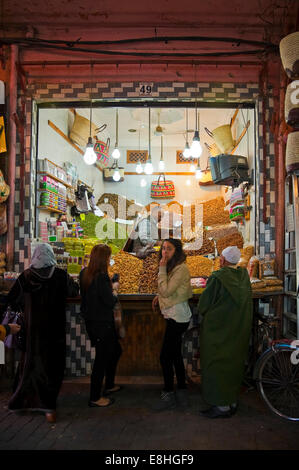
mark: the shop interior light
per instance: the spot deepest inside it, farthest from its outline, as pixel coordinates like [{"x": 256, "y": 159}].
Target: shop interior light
[
  {"x": 187, "y": 151},
  {"x": 161, "y": 162},
  {"x": 188, "y": 182},
  {"x": 148, "y": 169},
  {"x": 116, "y": 174},
  {"x": 116, "y": 152},
  {"x": 196, "y": 148},
  {"x": 192, "y": 168},
  {"x": 198, "y": 172},
  {"x": 143, "y": 183},
  {"x": 90, "y": 157},
  {"x": 139, "y": 168}
]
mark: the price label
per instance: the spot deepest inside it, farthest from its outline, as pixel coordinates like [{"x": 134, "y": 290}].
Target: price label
[{"x": 145, "y": 89}]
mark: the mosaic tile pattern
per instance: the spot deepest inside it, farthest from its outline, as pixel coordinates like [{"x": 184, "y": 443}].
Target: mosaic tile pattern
[{"x": 78, "y": 364}]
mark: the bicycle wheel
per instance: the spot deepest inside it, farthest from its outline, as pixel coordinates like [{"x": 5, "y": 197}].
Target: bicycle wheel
[
  {"x": 190, "y": 353},
  {"x": 278, "y": 382}
]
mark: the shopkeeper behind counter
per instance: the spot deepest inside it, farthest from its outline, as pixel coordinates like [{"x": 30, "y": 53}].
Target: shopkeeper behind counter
[{"x": 145, "y": 235}]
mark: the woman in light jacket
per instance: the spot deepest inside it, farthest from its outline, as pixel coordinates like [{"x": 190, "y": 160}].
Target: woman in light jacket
[{"x": 174, "y": 290}]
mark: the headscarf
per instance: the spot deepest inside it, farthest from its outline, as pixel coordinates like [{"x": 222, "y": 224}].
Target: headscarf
[
  {"x": 43, "y": 256},
  {"x": 232, "y": 254}
]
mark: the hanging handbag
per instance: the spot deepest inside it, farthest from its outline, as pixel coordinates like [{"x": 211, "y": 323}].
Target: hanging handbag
[
  {"x": 162, "y": 189},
  {"x": 18, "y": 340}
]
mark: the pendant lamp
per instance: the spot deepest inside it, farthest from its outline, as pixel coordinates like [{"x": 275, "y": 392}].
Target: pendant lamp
[
  {"x": 116, "y": 152},
  {"x": 196, "y": 148},
  {"x": 148, "y": 169},
  {"x": 187, "y": 151},
  {"x": 90, "y": 156},
  {"x": 161, "y": 162},
  {"x": 139, "y": 168}
]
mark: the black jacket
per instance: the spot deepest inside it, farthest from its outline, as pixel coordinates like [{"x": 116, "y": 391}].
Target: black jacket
[{"x": 97, "y": 305}]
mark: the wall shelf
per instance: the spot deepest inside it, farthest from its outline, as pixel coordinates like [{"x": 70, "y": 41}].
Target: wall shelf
[
  {"x": 55, "y": 178},
  {"x": 50, "y": 209}
]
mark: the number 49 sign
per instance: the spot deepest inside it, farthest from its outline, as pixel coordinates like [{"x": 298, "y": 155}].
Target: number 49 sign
[{"x": 145, "y": 89}]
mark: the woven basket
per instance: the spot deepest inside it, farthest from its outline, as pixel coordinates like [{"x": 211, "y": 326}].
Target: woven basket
[
  {"x": 289, "y": 53},
  {"x": 223, "y": 138},
  {"x": 213, "y": 149},
  {"x": 80, "y": 131},
  {"x": 102, "y": 151},
  {"x": 291, "y": 110},
  {"x": 292, "y": 152}
]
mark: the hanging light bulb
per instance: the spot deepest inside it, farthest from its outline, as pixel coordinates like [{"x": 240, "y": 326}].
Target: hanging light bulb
[
  {"x": 161, "y": 162},
  {"x": 198, "y": 172},
  {"x": 188, "y": 182},
  {"x": 192, "y": 167},
  {"x": 90, "y": 157},
  {"x": 196, "y": 148},
  {"x": 116, "y": 152},
  {"x": 148, "y": 169},
  {"x": 143, "y": 183},
  {"x": 116, "y": 173},
  {"x": 139, "y": 168},
  {"x": 187, "y": 151}
]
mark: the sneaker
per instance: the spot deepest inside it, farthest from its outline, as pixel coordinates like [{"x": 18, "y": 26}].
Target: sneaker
[
  {"x": 214, "y": 412},
  {"x": 182, "y": 397},
  {"x": 167, "y": 401}
]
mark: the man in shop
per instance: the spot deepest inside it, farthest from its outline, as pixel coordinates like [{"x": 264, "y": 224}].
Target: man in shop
[
  {"x": 146, "y": 233},
  {"x": 226, "y": 308}
]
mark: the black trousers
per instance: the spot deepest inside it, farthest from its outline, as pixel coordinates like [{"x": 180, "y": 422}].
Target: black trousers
[
  {"x": 108, "y": 352},
  {"x": 171, "y": 355}
]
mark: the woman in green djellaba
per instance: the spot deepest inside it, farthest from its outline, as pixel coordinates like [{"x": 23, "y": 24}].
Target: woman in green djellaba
[{"x": 226, "y": 308}]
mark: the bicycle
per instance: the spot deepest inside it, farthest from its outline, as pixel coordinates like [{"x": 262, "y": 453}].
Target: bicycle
[{"x": 275, "y": 373}]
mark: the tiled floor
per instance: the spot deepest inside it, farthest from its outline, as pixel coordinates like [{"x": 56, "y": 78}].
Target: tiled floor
[{"x": 132, "y": 424}]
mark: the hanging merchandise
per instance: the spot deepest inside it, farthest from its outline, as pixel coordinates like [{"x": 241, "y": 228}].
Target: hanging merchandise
[
  {"x": 82, "y": 203},
  {"x": 4, "y": 188},
  {"x": 3, "y": 219},
  {"x": 292, "y": 152},
  {"x": 3, "y": 147},
  {"x": 102, "y": 151},
  {"x": 289, "y": 47},
  {"x": 291, "y": 105},
  {"x": 162, "y": 189},
  {"x": 109, "y": 174},
  {"x": 80, "y": 131},
  {"x": 237, "y": 205}
]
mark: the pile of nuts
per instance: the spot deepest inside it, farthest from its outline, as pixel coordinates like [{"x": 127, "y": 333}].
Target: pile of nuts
[
  {"x": 214, "y": 213},
  {"x": 129, "y": 269},
  {"x": 206, "y": 247},
  {"x": 149, "y": 275},
  {"x": 199, "y": 266},
  {"x": 123, "y": 207},
  {"x": 221, "y": 231},
  {"x": 235, "y": 239}
]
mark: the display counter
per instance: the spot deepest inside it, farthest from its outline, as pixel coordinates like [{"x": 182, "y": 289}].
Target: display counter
[{"x": 144, "y": 335}]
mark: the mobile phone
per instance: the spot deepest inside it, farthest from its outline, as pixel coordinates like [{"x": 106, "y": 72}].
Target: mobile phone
[{"x": 115, "y": 277}]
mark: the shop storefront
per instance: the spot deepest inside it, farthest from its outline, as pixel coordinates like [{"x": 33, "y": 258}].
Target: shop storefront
[{"x": 55, "y": 170}]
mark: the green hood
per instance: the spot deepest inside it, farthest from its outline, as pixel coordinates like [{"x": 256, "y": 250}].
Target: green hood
[{"x": 235, "y": 281}]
